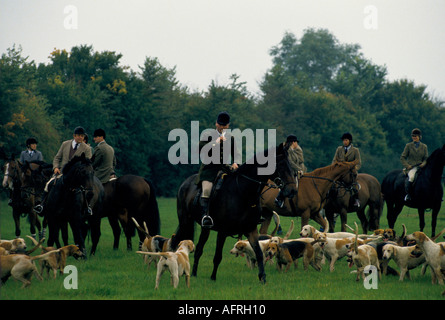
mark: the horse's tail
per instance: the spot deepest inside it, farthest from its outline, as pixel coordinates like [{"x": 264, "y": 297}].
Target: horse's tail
[
  {"x": 154, "y": 221},
  {"x": 186, "y": 227}
]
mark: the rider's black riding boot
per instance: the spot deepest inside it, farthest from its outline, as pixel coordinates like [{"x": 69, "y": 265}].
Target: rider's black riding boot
[
  {"x": 207, "y": 221},
  {"x": 408, "y": 185}
]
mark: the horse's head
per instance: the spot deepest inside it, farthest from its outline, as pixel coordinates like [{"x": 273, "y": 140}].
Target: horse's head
[
  {"x": 79, "y": 172},
  {"x": 434, "y": 163},
  {"x": 11, "y": 171},
  {"x": 27, "y": 187},
  {"x": 34, "y": 179},
  {"x": 284, "y": 175},
  {"x": 347, "y": 172}
]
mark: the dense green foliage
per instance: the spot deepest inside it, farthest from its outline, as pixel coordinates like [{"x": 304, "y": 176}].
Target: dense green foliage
[{"x": 317, "y": 89}]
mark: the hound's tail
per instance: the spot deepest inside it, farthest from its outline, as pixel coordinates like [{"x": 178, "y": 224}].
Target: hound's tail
[
  {"x": 147, "y": 234},
  {"x": 356, "y": 236},
  {"x": 290, "y": 230},
  {"x": 45, "y": 255},
  {"x": 159, "y": 254},
  {"x": 36, "y": 245}
]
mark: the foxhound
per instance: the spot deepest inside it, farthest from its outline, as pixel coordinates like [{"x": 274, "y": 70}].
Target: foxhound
[
  {"x": 434, "y": 255},
  {"x": 176, "y": 262},
  {"x": 403, "y": 258}
]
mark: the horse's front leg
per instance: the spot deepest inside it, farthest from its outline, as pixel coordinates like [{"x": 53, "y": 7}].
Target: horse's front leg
[
  {"x": 221, "y": 239},
  {"x": 305, "y": 217},
  {"x": 267, "y": 214},
  {"x": 362, "y": 217},
  {"x": 34, "y": 223},
  {"x": 114, "y": 223},
  {"x": 253, "y": 240},
  {"x": 436, "y": 210},
  {"x": 421, "y": 218},
  {"x": 16, "y": 216},
  {"x": 204, "y": 236},
  {"x": 95, "y": 233},
  {"x": 320, "y": 220}
]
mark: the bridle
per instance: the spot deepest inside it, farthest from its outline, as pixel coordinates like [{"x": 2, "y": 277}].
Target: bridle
[{"x": 336, "y": 185}]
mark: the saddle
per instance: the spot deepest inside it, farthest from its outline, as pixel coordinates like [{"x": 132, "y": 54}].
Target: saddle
[
  {"x": 405, "y": 172},
  {"x": 217, "y": 184}
]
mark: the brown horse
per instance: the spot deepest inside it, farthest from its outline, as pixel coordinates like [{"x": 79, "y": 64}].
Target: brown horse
[
  {"x": 369, "y": 195},
  {"x": 313, "y": 190},
  {"x": 22, "y": 195}
]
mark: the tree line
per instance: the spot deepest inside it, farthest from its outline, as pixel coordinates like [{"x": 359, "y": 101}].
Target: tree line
[{"x": 317, "y": 89}]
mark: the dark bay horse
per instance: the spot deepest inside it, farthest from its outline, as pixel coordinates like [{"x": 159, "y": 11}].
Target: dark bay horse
[
  {"x": 22, "y": 195},
  {"x": 127, "y": 197},
  {"x": 313, "y": 188},
  {"x": 427, "y": 191},
  {"x": 71, "y": 199},
  {"x": 234, "y": 208},
  {"x": 370, "y": 197}
]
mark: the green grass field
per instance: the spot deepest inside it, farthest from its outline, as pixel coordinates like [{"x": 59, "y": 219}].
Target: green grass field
[{"x": 122, "y": 275}]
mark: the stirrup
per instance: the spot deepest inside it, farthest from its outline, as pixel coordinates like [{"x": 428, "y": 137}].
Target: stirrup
[
  {"x": 407, "y": 197},
  {"x": 279, "y": 203},
  {"x": 207, "y": 222},
  {"x": 38, "y": 209}
]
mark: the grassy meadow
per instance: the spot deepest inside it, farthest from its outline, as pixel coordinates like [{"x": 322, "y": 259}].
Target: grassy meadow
[{"x": 122, "y": 275}]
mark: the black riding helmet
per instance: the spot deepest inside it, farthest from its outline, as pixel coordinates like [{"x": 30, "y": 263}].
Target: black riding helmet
[
  {"x": 79, "y": 130},
  {"x": 346, "y": 135},
  {"x": 291, "y": 138},
  {"x": 30, "y": 141},
  {"x": 223, "y": 118}
]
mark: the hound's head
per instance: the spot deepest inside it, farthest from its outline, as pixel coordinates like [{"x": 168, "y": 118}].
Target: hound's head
[
  {"x": 239, "y": 248},
  {"x": 307, "y": 231},
  {"x": 418, "y": 236},
  {"x": 187, "y": 245},
  {"x": 75, "y": 252},
  {"x": 322, "y": 237},
  {"x": 18, "y": 244},
  {"x": 388, "y": 252},
  {"x": 271, "y": 250},
  {"x": 389, "y": 235}
]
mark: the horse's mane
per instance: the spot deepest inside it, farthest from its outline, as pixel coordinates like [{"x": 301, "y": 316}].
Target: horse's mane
[
  {"x": 323, "y": 170},
  {"x": 278, "y": 150},
  {"x": 77, "y": 159},
  {"x": 433, "y": 155},
  {"x": 41, "y": 163}
]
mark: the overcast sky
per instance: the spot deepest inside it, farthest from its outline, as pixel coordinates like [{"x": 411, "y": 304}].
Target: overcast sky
[{"x": 211, "y": 39}]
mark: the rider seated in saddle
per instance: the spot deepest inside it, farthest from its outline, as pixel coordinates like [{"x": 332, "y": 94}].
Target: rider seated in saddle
[
  {"x": 413, "y": 157},
  {"x": 68, "y": 149},
  {"x": 30, "y": 154},
  {"x": 347, "y": 152},
  {"x": 296, "y": 161},
  {"x": 216, "y": 141},
  {"x": 103, "y": 160}
]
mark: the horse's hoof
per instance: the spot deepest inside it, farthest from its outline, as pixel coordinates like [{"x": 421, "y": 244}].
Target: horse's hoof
[{"x": 262, "y": 279}]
